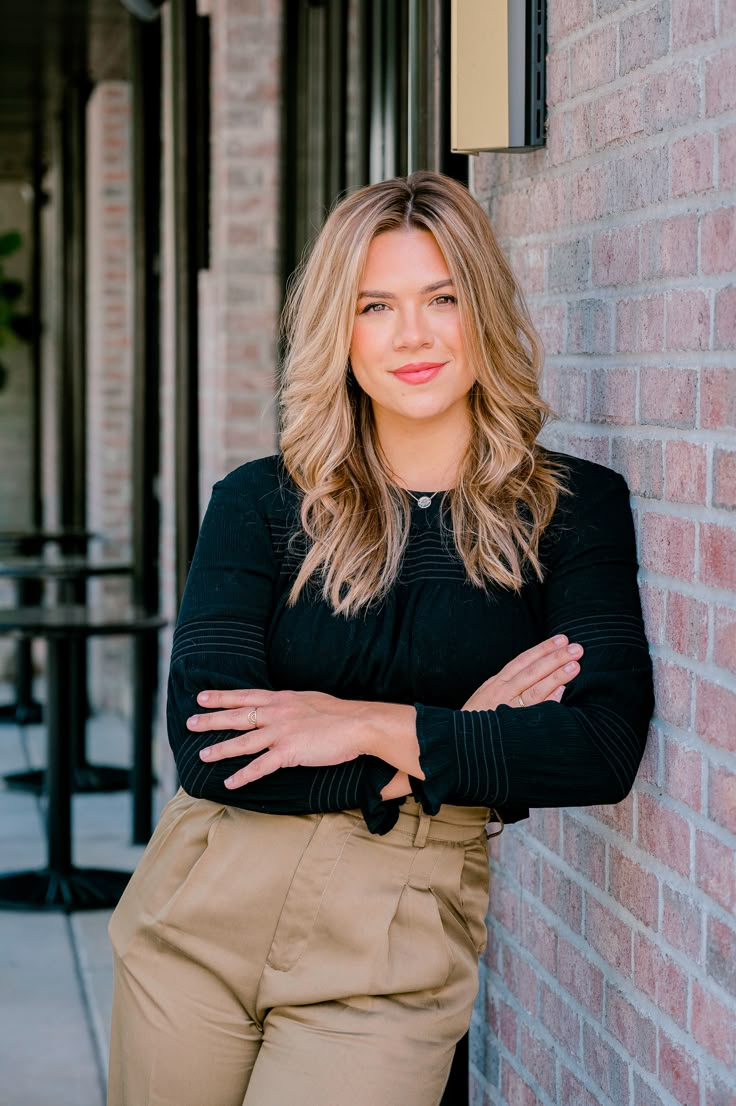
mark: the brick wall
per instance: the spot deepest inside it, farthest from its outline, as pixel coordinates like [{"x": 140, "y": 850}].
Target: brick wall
[
  {"x": 610, "y": 973},
  {"x": 109, "y": 370}
]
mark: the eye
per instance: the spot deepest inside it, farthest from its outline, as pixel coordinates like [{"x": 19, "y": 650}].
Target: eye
[
  {"x": 446, "y": 298},
  {"x": 369, "y": 309}
]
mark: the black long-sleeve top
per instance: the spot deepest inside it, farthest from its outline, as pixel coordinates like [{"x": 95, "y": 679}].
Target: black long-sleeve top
[{"x": 432, "y": 642}]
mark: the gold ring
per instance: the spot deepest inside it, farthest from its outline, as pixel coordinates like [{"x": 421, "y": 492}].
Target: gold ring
[
  {"x": 521, "y": 700},
  {"x": 252, "y": 717}
]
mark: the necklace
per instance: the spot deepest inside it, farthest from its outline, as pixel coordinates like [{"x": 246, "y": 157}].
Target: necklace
[{"x": 423, "y": 501}]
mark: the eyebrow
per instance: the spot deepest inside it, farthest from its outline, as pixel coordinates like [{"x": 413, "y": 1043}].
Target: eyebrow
[{"x": 422, "y": 291}]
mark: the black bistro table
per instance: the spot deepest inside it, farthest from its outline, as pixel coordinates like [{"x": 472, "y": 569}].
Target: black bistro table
[
  {"x": 60, "y": 885},
  {"x": 30, "y": 543},
  {"x": 86, "y": 777}
]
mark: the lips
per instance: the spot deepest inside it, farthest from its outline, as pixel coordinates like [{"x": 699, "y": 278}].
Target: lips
[{"x": 419, "y": 372}]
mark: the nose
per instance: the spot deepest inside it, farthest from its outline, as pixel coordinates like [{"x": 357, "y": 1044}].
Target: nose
[{"x": 412, "y": 329}]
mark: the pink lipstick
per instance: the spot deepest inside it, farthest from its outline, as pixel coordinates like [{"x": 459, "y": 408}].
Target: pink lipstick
[{"x": 419, "y": 372}]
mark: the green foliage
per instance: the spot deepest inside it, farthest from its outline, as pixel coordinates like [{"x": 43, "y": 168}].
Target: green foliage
[{"x": 14, "y": 327}]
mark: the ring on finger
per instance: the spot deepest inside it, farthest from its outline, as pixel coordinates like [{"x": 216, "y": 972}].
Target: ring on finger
[
  {"x": 253, "y": 717},
  {"x": 521, "y": 701}
]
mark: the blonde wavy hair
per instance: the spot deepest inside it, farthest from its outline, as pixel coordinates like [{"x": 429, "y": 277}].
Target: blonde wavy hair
[{"x": 355, "y": 517}]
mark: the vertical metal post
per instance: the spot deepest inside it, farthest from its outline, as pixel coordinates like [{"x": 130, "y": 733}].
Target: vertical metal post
[{"x": 186, "y": 406}]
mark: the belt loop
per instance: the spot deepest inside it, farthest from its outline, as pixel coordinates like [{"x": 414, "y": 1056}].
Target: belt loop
[
  {"x": 498, "y": 818},
  {"x": 420, "y": 837}
]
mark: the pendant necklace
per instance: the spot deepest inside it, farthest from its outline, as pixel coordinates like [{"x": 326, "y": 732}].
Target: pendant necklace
[{"x": 423, "y": 501}]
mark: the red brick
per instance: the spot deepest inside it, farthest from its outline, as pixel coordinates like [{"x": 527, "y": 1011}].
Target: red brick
[
  {"x": 724, "y": 637},
  {"x": 558, "y": 75},
  {"x": 592, "y": 449},
  {"x": 728, "y": 19},
  {"x": 538, "y": 937},
  {"x": 587, "y": 194},
  {"x": 515, "y": 1091},
  {"x": 686, "y": 625},
  {"x": 634, "y": 887},
  {"x": 566, "y": 390},
  {"x": 573, "y": 1091},
  {"x": 685, "y": 472},
  {"x": 672, "y": 97},
  {"x": 653, "y": 606},
  {"x": 528, "y": 266},
  {"x": 593, "y": 60},
  {"x": 669, "y": 396},
  {"x": 692, "y": 21},
  {"x": 616, "y": 257},
  {"x": 678, "y": 1070},
  {"x": 688, "y": 320},
  {"x": 644, "y": 37},
  {"x": 604, "y": 1066},
  {"x": 692, "y": 164},
  {"x": 545, "y": 205},
  {"x": 727, "y": 158},
  {"x": 718, "y": 555},
  {"x": 715, "y": 869},
  {"x": 724, "y": 478},
  {"x": 718, "y": 399},
  {"x": 640, "y": 461},
  {"x": 538, "y": 1060},
  {"x": 562, "y": 896},
  {"x": 660, "y": 979},
  {"x": 640, "y": 325},
  {"x": 669, "y": 247},
  {"x": 725, "y": 336},
  {"x": 683, "y": 773},
  {"x": 720, "y": 87},
  {"x": 523, "y": 860},
  {"x": 720, "y": 954},
  {"x": 564, "y": 18},
  {"x": 501, "y": 1021},
  {"x": 668, "y": 545},
  {"x": 664, "y": 833},
  {"x": 577, "y": 132},
  {"x": 644, "y": 1095},
  {"x": 618, "y": 816},
  {"x": 546, "y": 825},
  {"x": 722, "y": 797},
  {"x": 718, "y": 238},
  {"x": 584, "y": 850},
  {"x": 559, "y": 1019},
  {"x": 521, "y": 978},
  {"x": 589, "y": 326},
  {"x": 673, "y": 689},
  {"x": 506, "y": 905},
  {"x": 649, "y": 769},
  {"x": 635, "y": 1032},
  {"x": 618, "y": 117},
  {"x": 549, "y": 320},
  {"x": 580, "y": 978},
  {"x": 609, "y": 935},
  {"x": 682, "y": 922},
  {"x": 613, "y": 396},
  {"x": 715, "y": 711},
  {"x": 717, "y": 1093}
]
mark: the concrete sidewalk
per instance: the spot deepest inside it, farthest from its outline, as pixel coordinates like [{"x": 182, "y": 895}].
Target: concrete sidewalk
[{"x": 55, "y": 970}]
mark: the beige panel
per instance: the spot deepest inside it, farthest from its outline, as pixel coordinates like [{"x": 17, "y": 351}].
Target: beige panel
[{"x": 480, "y": 75}]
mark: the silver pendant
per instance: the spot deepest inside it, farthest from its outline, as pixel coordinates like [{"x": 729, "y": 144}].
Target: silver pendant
[{"x": 424, "y": 502}]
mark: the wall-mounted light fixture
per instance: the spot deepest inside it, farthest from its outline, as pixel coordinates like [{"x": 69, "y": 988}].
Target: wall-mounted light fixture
[{"x": 498, "y": 74}]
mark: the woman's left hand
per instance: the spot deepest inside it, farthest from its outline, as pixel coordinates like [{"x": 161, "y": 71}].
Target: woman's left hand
[{"x": 291, "y": 728}]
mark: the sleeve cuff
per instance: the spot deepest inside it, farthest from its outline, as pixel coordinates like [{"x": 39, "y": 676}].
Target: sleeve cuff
[
  {"x": 380, "y": 814},
  {"x": 437, "y": 757}
]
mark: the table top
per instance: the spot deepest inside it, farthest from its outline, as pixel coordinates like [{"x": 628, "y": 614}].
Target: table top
[
  {"x": 59, "y": 534},
  {"x": 67, "y": 568},
  {"x": 77, "y": 620}
]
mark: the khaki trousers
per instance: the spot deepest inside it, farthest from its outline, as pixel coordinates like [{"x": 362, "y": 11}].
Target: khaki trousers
[{"x": 277, "y": 960}]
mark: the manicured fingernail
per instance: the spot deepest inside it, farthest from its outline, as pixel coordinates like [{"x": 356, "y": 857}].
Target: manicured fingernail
[
  {"x": 230, "y": 781},
  {"x": 193, "y": 721},
  {"x": 570, "y": 666},
  {"x": 560, "y": 639},
  {"x": 574, "y": 648},
  {"x": 205, "y": 753},
  {"x": 203, "y": 696}
]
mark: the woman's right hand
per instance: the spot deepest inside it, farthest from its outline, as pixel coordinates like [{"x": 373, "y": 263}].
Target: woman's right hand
[{"x": 536, "y": 675}]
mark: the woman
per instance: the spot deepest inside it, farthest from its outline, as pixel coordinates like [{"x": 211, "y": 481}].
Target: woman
[{"x": 413, "y": 620}]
